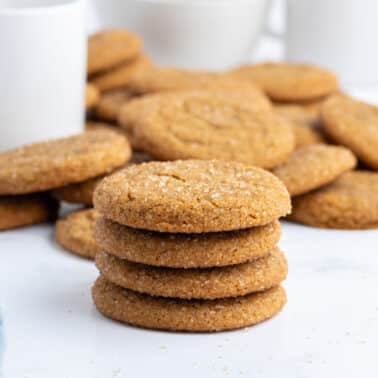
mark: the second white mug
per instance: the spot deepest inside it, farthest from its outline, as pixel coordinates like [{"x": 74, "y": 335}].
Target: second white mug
[{"x": 198, "y": 34}]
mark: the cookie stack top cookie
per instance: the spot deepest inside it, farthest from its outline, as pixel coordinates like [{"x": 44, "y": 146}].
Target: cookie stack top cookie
[{"x": 192, "y": 196}]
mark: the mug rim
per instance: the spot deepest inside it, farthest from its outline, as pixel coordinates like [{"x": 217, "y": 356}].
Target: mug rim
[
  {"x": 190, "y": 3},
  {"x": 40, "y": 6}
]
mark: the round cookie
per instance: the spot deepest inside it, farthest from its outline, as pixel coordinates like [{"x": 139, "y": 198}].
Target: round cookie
[
  {"x": 350, "y": 202},
  {"x": 119, "y": 77},
  {"x": 109, "y": 48},
  {"x": 91, "y": 96},
  {"x": 110, "y": 105},
  {"x": 56, "y": 163},
  {"x": 305, "y": 124},
  {"x": 186, "y": 315},
  {"x": 211, "y": 283},
  {"x": 82, "y": 192},
  {"x": 192, "y": 196},
  {"x": 75, "y": 233},
  {"x": 186, "y": 250},
  {"x": 314, "y": 166},
  {"x": 289, "y": 82},
  {"x": 353, "y": 124},
  {"x": 206, "y": 125},
  {"x": 18, "y": 211}
]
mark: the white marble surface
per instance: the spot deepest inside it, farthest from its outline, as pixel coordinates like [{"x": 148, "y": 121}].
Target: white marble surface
[{"x": 329, "y": 327}]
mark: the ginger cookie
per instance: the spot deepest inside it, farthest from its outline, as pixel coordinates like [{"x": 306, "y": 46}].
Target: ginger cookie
[
  {"x": 91, "y": 96},
  {"x": 289, "y": 82},
  {"x": 314, "y": 166},
  {"x": 75, "y": 233},
  {"x": 119, "y": 76},
  {"x": 210, "y": 283},
  {"x": 186, "y": 250},
  {"x": 205, "y": 125},
  {"x": 110, "y": 105},
  {"x": 186, "y": 315},
  {"x": 18, "y": 211},
  {"x": 56, "y": 163},
  {"x": 109, "y": 48},
  {"x": 82, "y": 192},
  {"x": 192, "y": 196},
  {"x": 350, "y": 202},
  {"x": 353, "y": 124}
]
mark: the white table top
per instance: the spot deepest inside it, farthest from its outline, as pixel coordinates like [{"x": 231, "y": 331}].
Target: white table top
[{"x": 329, "y": 327}]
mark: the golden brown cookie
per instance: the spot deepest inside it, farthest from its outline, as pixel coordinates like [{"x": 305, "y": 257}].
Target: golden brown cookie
[
  {"x": 109, "y": 48},
  {"x": 306, "y": 124},
  {"x": 75, "y": 233},
  {"x": 18, "y": 211},
  {"x": 91, "y": 96},
  {"x": 93, "y": 125},
  {"x": 186, "y": 315},
  {"x": 120, "y": 76},
  {"x": 314, "y": 166},
  {"x": 192, "y": 196},
  {"x": 59, "y": 162},
  {"x": 211, "y": 283},
  {"x": 110, "y": 105},
  {"x": 350, "y": 202},
  {"x": 353, "y": 124},
  {"x": 205, "y": 125},
  {"x": 185, "y": 250},
  {"x": 82, "y": 192},
  {"x": 289, "y": 82}
]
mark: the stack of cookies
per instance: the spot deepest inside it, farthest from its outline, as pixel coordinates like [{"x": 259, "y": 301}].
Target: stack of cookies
[{"x": 190, "y": 245}]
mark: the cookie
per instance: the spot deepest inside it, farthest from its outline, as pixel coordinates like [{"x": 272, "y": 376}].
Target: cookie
[
  {"x": 205, "y": 125},
  {"x": 56, "y": 163},
  {"x": 110, "y": 105},
  {"x": 192, "y": 196},
  {"x": 18, "y": 211},
  {"x": 289, "y": 82},
  {"x": 185, "y": 250},
  {"x": 350, "y": 202},
  {"x": 109, "y": 48},
  {"x": 314, "y": 166},
  {"x": 119, "y": 76},
  {"x": 306, "y": 124},
  {"x": 91, "y": 96},
  {"x": 82, "y": 192},
  {"x": 75, "y": 233},
  {"x": 353, "y": 124},
  {"x": 94, "y": 125},
  {"x": 211, "y": 283},
  {"x": 186, "y": 315}
]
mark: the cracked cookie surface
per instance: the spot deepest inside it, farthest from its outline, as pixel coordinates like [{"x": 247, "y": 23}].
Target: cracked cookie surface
[
  {"x": 192, "y": 196},
  {"x": 52, "y": 164},
  {"x": 206, "y": 125}
]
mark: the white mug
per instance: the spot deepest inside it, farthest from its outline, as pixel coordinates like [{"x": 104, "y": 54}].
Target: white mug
[
  {"x": 42, "y": 70},
  {"x": 341, "y": 35},
  {"x": 197, "y": 34}
]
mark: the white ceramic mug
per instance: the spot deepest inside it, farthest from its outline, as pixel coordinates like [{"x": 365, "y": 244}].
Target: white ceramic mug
[
  {"x": 341, "y": 35},
  {"x": 197, "y": 34},
  {"x": 42, "y": 70}
]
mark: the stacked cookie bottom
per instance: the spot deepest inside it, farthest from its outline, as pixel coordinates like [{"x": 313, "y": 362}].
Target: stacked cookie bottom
[{"x": 208, "y": 281}]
